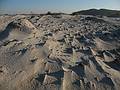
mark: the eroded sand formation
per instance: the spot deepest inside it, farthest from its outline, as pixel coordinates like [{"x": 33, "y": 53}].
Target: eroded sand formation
[{"x": 59, "y": 52}]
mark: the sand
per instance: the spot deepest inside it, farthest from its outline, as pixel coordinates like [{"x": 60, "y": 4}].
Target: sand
[{"x": 59, "y": 52}]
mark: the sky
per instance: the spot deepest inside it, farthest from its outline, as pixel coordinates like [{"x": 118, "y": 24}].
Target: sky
[{"x": 65, "y": 6}]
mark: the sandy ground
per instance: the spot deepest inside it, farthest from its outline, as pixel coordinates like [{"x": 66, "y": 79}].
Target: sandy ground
[{"x": 59, "y": 52}]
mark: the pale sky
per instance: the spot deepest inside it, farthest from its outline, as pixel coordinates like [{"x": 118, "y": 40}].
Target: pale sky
[{"x": 67, "y": 6}]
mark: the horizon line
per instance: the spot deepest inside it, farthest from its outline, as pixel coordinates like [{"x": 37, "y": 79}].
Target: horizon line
[{"x": 46, "y": 11}]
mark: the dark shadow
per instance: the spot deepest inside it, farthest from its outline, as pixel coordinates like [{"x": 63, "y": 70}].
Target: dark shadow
[
  {"x": 23, "y": 51},
  {"x": 40, "y": 78},
  {"x": 107, "y": 81},
  {"x": 77, "y": 83},
  {"x": 4, "y": 34},
  {"x": 114, "y": 65},
  {"x": 39, "y": 44},
  {"x": 68, "y": 50},
  {"x": 58, "y": 74},
  {"x": 79, "y": 70}
]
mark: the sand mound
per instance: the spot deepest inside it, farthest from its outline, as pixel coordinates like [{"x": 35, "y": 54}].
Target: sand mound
[{"x": 19, "y": 29}]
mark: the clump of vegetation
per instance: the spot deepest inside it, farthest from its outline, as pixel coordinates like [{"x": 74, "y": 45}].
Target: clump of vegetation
[
  {"x": 52, "y": 13},
  {"x": 74, "y": 58},
  {"x": 73, "y": 62}
]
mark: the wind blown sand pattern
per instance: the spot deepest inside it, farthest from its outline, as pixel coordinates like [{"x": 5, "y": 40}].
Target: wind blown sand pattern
[{"x": 59, "y": 52}]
